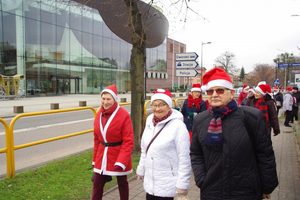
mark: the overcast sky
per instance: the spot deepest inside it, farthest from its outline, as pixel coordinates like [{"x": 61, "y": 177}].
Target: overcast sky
[{"x": 253, "y": 30}]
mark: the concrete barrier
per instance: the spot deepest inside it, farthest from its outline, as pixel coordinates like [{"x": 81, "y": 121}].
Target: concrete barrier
[
  {"x": 54, "y": 106},
  {"x": 148, "y": 97},
  {"x": 82, "y": 103},
  {"x": 18, "y": 109},
  {"x": 181, "y": 95}
]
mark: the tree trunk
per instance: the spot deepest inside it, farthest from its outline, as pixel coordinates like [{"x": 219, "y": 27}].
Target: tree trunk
[{"x": 137, "y": 62}]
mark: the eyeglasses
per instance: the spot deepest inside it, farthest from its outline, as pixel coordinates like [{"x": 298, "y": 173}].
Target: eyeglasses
[
  {"x": 218, "y": 91},
  {"x": 158, "y": 106}
]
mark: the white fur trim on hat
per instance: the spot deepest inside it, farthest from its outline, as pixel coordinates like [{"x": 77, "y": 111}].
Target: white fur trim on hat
[
  {"x": 251, "y": 90},
  {"x": 110, "y": 92},
  {"x": 196, "y": 89},
  {"x": 219, "y": 82},
  {"x": 260, "y": 90},
  {"x": 164, "y": 97}
]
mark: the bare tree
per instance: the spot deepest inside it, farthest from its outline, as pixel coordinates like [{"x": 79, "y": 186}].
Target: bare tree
[{"x": 227, "y": 61}]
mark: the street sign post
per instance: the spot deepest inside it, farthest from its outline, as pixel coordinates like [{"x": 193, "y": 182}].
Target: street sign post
[{"x": 186, "y": 64}]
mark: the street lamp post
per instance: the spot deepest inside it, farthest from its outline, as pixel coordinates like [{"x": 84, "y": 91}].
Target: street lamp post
[{"x": 202, "y": 43}]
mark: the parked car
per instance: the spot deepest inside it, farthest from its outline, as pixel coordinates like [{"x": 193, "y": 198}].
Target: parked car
[
  {"x": 33, "y": 91},
  {"x": 238, "y": 91}
]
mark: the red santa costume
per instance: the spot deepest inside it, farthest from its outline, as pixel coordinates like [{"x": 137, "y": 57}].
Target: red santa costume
[
  {"x": 243, "y": 94},
  {"x": 113, "y": 145}
]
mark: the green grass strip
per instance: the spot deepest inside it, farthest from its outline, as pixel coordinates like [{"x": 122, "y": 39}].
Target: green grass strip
[{"x": 67, "y": 178}]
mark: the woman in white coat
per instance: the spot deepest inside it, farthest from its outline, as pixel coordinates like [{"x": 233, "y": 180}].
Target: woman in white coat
[{"x": 164, "y": 166}]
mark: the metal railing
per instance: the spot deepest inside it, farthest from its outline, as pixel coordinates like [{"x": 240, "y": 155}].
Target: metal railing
[{"x": 9, "y": 133}]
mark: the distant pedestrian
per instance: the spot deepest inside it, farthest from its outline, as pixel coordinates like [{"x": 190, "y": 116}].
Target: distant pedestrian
[
  {"x": 296, "y": 97},
  {"x": 113, "y": 145},
  {"x": 164, "y": 166},
  {"x": 288, "y": 106},
  {"x": 192, "y": 106},
  {"x": 226, "y": 162},
  {"x": 250, "y": 94},
  {"x": 243, "y": 94},
  {"x": 266, "y": 104},
  {"x": 278, "y": 98}
]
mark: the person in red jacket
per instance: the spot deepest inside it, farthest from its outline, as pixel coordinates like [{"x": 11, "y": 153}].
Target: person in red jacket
[
  {"x": 113, "y": 145},
  {"x": 243, "y": 94}
]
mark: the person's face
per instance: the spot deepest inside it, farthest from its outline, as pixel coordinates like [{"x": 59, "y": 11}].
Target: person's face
[
  {"x": 258, "y": 95},
  {"x": 196, "y": 94},
  {"x": 160, "y": 108},
  {"x": 107, "y": 100},
  {"x": 219, "y": 97},
  {"x": 246, "y": 90},
  {"x": 295, "y": 91}
]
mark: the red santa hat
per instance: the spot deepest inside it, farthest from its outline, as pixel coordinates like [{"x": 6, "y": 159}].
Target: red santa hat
[
  {"x": 276, "y": 88},
  {"x": 245, "y": 87},
  {"x": 111, "y": 89},
  {"x": 196, "y": 87},
  {"x": 162, "y": 94},
  {"x": 289, "y": 89},
  {"x": 216, "y": 77},
  {"x": 264, "y": 89}
]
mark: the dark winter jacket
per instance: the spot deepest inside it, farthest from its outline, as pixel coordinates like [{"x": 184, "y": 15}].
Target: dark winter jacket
[
  {"x": 295, "y": 109},
  {"x": 279, "y": 97},
  {"x": 272, "y": 112},
  {"x": 233, "y": 172},
  {"x": 188, "y": 120}
]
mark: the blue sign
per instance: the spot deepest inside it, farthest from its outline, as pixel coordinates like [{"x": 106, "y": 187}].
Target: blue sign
[
  {"x": 283, "y": 65},
  {"x": 295, "y": 64}
]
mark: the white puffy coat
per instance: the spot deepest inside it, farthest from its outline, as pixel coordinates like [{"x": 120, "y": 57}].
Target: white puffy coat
[{"x": 167, "y": 165}]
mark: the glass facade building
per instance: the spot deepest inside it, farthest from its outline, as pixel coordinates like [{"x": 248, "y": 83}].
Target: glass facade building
[{"x": 63, "y": 47}]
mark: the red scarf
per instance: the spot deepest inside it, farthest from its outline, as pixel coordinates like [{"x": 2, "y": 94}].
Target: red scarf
[
  {"x": 261, "y": 105},
  {"x": 192, "y": 101},
  {"x": 107, "y": 113},
  {"x": 155, "y": 120}
]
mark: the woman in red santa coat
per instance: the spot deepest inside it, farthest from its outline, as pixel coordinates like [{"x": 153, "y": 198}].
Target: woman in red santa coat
[{"x": 113, "y": 144}]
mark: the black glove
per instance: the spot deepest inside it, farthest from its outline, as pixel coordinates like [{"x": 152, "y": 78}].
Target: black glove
[
  {"x": 92, "y": 179},
  {"x": 92, "y": 167}
]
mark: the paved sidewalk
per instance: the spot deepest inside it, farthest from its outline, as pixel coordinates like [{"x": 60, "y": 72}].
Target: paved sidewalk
[{"x": 287, "y": 160}]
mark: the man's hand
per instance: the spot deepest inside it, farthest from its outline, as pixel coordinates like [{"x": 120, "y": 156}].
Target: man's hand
[{"x": 266, "y": 196}]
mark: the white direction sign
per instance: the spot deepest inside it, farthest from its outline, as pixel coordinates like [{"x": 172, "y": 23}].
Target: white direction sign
[
  {"x": 186, "y": 72},
  {"x": 186, "y": 56},
  {"x": 192, "y": 64}
]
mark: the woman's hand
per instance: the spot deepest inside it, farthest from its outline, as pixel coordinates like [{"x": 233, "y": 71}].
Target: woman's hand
[
  {"x": 140, "y": 178},
  {"x": 181, "y": 192}
]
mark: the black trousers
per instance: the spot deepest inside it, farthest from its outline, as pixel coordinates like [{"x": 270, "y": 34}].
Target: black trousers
[
  {"x": 151, "y": 197},
  {"x": 288, "y": 117}
]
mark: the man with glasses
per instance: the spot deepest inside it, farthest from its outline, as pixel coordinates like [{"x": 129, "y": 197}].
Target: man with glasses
[{"x": 227, "y": 164}]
